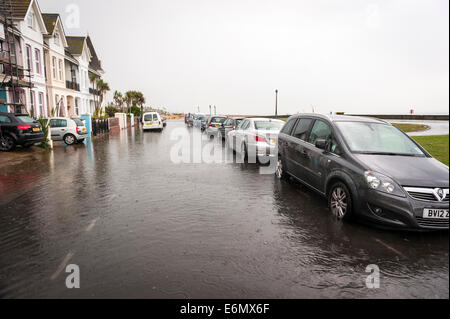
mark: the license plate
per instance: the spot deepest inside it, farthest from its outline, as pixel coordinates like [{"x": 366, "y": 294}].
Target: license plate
[
  {"x": 435, "y": 213},
  {"x": 149, "y": 124},
  {"x": 217, "y": 125},
  {"x": 273, "y": 141},
  {"x": 36, "y": 130}
]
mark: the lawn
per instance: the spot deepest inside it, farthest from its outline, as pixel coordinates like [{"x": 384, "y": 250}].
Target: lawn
[
  {"x": 408, "y": 128},
  {"x": 438, "y": 146}
]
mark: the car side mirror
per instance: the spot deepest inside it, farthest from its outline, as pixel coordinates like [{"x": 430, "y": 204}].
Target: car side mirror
[{"x": 321, "y": 143}]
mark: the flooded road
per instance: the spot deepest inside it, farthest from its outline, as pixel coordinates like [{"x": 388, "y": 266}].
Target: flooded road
[{"x": 140, "y": 226}]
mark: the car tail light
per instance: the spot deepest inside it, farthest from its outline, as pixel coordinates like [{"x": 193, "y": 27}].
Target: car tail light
[
  {"x": 23, "y": 127},
  {"x": 260, "y": 139},
  {"x": 78, "y": 130},
  {"x": 159, "y": 123},
  {"x": 234, "y": 127},
  {"x": 210, "y": 124}
]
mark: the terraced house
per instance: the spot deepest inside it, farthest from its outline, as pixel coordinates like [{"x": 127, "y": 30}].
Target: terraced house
[{"x": 51, "y": 74}]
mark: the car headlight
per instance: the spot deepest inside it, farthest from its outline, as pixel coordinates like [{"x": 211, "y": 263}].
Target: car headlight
[{"x": 383, "y": 184}]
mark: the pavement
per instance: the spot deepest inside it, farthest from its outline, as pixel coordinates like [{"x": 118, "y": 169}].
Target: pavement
[{"x": 139, "y": 225}]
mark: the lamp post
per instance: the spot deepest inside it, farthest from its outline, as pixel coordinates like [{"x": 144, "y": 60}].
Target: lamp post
[{"x": 276, "y": 102}]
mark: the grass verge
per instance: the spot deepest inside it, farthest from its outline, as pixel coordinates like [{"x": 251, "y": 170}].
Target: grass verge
[
  {"x": 409, "y": 128},
  {"x": 438, "y": 146}
]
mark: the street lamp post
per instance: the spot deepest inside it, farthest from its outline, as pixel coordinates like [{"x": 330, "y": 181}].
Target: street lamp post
[{"x": 276, "y": 102}]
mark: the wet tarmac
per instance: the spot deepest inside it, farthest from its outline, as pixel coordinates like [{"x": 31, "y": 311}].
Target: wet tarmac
[{"x": 140, "y": 226}]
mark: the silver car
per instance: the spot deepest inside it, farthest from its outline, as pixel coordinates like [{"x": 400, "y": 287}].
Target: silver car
[
  {"x": 255, "y": 138},
  {"x": 213, "y": 125},
  {"x": 71, "y": 131}
]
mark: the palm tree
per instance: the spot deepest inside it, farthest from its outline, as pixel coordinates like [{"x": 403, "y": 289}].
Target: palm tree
[
  {"x": 140, "y": 101},
  {"x": 93, "y": 78},
  {"x": 119, "y": 99},
  {"x": 130, "y": 99},
  {"x": 102, "y": 87}
]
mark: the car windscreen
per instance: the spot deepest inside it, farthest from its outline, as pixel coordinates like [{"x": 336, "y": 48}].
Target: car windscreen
[
  {"x": 218, "y": 120},
  {"x": 78, "y": 122},
  {"x": 26, "y": 119},
  {"x": 269, "y": 125},
  {"x": 377, "y": 139}
]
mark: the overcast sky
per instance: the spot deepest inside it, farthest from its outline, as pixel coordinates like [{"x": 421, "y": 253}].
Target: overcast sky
[{"x": 334, "y": 55}]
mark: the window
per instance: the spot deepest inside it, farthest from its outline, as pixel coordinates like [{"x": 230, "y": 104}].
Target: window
[
  {"x": 33, "y": 102},
  {"x": 60, "y": 69},
  {"x": 54, "y": 67},
  {"x": 269, "y": 125},
  {"x": 4, "y": 119},
  {"x": 78, "y": 122},
  {"x": 377, "y": 138},
  {"x": 155, "y": 117},
  {"x": 41, "y": 104},
  {"x": 77, "y": 107},
  {"x": 56, "y": 38},
  {"x": 56, "y": 123},
  {"x": 29, "y": 59},
  {"x": 30, "y": 20},
  {"x": 37, "y": 59},
  {"x": 302, "y": 129},
  {"x": 321, "y": 130},
  {"x": 287, "y": 129},
  {"x": 26, "y": 119}
]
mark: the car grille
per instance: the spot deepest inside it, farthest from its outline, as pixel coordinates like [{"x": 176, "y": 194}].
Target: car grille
[
  {"x": 427, "y": 194},
  {"x": 432, "y": 223}
]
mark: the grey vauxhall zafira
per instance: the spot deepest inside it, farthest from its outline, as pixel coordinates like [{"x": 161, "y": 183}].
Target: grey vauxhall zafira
[{"x": 366, "y": 168}]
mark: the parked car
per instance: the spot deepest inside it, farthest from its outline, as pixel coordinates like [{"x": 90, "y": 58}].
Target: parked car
[
  {"x": 229, "y": 125},
  {"x": 256, "y": 138},
  {"x": 70, "y": 130},
  {"x": 198, "y": 119},
  {"x": 213, "y": 125},
  {"x": 366, "y": 168},
  {"x": 19, "y": 129},
  {"x": 163, "y": 119},
  {"x": 152, "y": 121},
  {"x": 204, "y": 122}
]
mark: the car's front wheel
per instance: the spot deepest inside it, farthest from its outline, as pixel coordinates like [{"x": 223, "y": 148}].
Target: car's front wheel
[
  {"x": 340, "y": 201},
  {"x": 7, "y": 143}
]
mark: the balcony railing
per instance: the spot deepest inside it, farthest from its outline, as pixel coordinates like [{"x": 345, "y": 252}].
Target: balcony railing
[
  {"x": 94, "y": 92},
  {"x": 73, "y": 86}
]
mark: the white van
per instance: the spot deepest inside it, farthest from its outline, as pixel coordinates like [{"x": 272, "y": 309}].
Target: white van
[{"x": 152, "y": 121}]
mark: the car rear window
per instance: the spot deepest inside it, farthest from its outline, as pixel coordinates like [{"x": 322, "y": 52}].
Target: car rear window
[
  {"x": 268, "y": 125},
  {"x": 148, "y": 117},
  {"x": 26, "y": 119},
  {"x": 218, "y": 120},
  {"x": 78, "y": 122}
]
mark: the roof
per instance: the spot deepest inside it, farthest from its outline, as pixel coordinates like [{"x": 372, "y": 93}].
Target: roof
[
  {"x": 50, "y": 20},
  {"x": 75, "y": 45},
  {"x": 341, "y": 118},
  {"x": 19, "y": 8},
  {"x": 95, "y": 63}
]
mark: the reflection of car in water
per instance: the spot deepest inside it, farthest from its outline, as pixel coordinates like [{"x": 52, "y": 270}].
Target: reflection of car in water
[{"x": 366, "y": 168}]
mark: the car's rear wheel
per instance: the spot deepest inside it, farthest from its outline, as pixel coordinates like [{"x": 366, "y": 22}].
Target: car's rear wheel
[
  {"x": 280, "y": 171},
  {"x": 7, "y": 143},
  {"x": 69, "y": 139},
  {"x": 340, "y": 201}
]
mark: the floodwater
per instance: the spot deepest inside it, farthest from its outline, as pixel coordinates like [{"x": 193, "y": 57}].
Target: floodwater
[{"x": 139, "y": 225}]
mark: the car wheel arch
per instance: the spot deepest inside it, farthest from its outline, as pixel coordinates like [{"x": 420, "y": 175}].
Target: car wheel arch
[{"x": 341, "y": 177}]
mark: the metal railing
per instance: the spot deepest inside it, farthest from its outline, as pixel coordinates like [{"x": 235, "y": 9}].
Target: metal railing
[{"x": 100, "y": 126}]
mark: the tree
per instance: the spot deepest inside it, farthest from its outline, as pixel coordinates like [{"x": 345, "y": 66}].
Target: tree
[
  {"x": 119, "y": 99},
  {"x": 94, "y": 78},
  {"x": 129, "y": 99},
  {"x": 102, "y": 87},
  {"x": 140, "y": 101}
]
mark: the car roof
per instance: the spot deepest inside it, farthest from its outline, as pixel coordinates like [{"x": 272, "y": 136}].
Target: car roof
[
  {"x": 341, "y": 118},
  {"x": 263, "y": 119}
]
